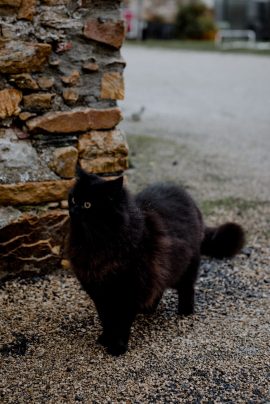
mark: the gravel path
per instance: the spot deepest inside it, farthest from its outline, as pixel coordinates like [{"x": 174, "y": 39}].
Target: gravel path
[
  {"x": 49, "y": 328},
  {"x": 221, "y": 355}
]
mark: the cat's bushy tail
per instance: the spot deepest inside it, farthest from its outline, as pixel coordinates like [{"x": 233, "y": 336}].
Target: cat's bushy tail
[{"x": 224, "y": 241}]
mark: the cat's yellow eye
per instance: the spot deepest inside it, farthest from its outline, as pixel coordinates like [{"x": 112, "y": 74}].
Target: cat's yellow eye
[
  {"x": 73, "y": 201},
  {"x": 87, "y": 205}
]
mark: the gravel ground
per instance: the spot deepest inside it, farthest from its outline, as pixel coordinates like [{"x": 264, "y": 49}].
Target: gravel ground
[{"x": 220, "y": 355}]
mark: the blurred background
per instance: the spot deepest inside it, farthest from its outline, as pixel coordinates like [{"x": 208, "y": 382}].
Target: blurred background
[
  {"x": 189, "y": 19},
  {"x": 197, "y": 107}
]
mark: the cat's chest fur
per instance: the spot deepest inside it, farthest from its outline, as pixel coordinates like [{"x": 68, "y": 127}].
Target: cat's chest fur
[{"x": 128, "y": 268}]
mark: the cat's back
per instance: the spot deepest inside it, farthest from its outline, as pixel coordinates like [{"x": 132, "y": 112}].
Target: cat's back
[
  {"x": 165, "y": 196},
  {"x": 173, "y": 204}
]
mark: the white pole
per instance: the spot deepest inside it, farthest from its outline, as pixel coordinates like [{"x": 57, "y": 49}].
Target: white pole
[{"x": 139, "y": 15}]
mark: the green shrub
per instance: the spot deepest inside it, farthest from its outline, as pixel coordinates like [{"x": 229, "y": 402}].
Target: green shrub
[{"x": 195, "y": 21}]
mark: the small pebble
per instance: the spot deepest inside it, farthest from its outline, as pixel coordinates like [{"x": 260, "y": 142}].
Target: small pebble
[{"x": 64, "y": 204}]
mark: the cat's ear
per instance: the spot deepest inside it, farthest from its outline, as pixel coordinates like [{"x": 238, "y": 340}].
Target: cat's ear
[
  {"x": 80, "y": 173},
  {"x": 114, "y": 187},
  {"x": 86, "y": 177}
]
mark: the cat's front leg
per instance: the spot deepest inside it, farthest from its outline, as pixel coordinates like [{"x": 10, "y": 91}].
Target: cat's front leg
[
  {"x": 116, "y": 322},
  {"x": 116, "y": 344},
  {"x": 115, "y": 336}
]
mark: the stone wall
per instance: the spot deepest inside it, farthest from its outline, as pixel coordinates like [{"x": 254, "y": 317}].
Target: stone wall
[{"x": 61, "y": 73}]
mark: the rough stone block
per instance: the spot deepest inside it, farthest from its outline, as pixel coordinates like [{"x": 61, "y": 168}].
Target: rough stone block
[
  {"x": 38, "y": 101},
  {"x": 64, "y": 161},
  {"x": 26, "y": 115},
  {"x": 105, "y": 30},
  {"x": 23, "y": 57},
  {"x": 19, "y": 160},
  {"x": 27, "y": 10},
  {"x": 103, "y": 151},
  {"x": 107, "y": 164},
  {"x": 45, "y": 83},
  {"x": 70, "y": 95},
  {"x": 9, "y": 102},
  {"x": 71, "y": 79},
  {"x": 98, "y": 143},
  {"x": 112, "y": 86},
  {"x": 24, "y": 81},
  {"x": 15, "y": 153},
  {"x": 31, "y": 242},
  {"x": 90, "y": 67},
  {"x": 33, "y": 193},
  {"x": 78, "y": 120},
  {"x": 10, "y": 3}
]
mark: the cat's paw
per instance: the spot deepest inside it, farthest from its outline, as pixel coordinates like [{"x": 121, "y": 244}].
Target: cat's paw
[
  {"x": 103, "y": 340},
  {"x": 185, "y": 311},
  {"x": 117, "y": 348}
]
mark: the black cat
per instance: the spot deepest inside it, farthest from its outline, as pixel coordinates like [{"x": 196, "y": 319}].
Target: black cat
[{"x": 127, "y": 250}]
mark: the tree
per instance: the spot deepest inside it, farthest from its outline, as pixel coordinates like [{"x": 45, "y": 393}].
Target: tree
[{"x": 195, "y": 21}]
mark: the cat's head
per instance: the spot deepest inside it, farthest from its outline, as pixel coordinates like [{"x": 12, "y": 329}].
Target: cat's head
[{"x": 94, "y": 199}]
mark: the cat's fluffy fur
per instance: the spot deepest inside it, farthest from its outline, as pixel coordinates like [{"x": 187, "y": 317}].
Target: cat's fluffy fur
[{"x": 127, "y": 250}]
